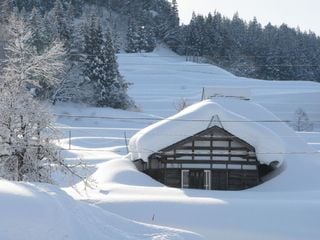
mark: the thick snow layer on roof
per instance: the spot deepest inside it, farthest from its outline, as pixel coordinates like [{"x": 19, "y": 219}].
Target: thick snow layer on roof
[{"x": 244, "y": 119}]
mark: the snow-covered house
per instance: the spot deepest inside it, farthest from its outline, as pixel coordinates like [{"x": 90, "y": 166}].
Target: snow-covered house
[{"x": 222, "y": 143}]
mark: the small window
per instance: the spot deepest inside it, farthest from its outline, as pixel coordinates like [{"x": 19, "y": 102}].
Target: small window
[{"x": 185, "y": 179}]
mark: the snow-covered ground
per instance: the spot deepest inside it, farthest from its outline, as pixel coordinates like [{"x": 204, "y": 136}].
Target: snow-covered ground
[
  {"x": 285, "y": 208},
  {"x": 161, "y": 79},
  {"x": 43, "y": 211}
]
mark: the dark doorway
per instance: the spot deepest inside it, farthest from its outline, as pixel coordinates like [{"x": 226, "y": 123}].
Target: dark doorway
[
  {"x": 196, "y": 179},
  {"x": 220, "y": 180}
]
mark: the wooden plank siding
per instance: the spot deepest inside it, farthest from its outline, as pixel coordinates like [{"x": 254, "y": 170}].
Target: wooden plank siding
[{"x": 232, "y": 162}]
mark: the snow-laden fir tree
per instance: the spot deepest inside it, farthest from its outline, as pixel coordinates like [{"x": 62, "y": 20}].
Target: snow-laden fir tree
[
  {"x": 6, "y": 7},
  {"x": 139, "y": 38},
  {"x": 40, "y": 35},
  {"x": 26, "y": 153},
  {"x": 101, "y": 68},
  {"x": 132, "y": 41},
  {"x": 60, "y": 22}
]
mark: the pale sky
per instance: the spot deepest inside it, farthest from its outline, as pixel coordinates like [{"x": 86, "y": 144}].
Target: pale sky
[{"x": 305, "y": 14}]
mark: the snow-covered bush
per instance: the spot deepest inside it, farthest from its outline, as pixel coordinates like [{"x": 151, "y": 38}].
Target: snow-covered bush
[
  {"x": 181, "y": 104},
  {"x": 301, "y": 121}
]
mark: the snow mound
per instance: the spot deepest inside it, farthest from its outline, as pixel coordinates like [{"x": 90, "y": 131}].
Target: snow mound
[
  {"x": 247, "y": 125},
  {"x": 42, "y": 211},
  {"x": 123, "y": 172}
]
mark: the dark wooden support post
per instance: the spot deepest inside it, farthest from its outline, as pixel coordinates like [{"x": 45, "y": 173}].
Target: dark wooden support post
[
  {"x": 211, "y": 149},
  {"x": 164, "y": 172},
  {"x": 229, "y": 150},
  {"x": 192, "y": 150}
]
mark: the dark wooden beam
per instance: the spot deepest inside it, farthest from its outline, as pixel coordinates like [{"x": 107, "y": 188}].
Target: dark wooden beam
[
  {"x": 213, "y": 148},
  {"x": 178, "y": 155},
  {"x": 186, "y": 161},
  {"x": 201, "y": 136}
]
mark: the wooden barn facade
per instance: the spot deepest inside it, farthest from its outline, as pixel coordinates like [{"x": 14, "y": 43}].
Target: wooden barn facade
[{"x": 212, "y": 159}]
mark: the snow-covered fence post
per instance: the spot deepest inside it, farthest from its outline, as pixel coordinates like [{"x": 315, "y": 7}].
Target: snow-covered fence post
[
  {"x": 69, "y": 139},
  {"x": 38, "y": 140},
  {"x": 202, "y": 94}
]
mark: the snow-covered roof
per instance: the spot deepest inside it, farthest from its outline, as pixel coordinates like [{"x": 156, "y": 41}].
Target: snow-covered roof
[{"x": 245, "y": 119}]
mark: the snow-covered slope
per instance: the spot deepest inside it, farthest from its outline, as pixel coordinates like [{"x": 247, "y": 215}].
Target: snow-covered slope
[
  {"x": 161, "y": 79},
  {"x": 39, "y": 211}
]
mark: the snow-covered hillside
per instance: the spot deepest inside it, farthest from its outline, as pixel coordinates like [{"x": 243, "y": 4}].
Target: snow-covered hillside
[
  {"x": 161, "y": 79},
  {"x": 287, "y": 207}
]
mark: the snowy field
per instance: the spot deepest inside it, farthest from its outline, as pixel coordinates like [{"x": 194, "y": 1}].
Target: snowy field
[
  {"x": 285, "y": 208},
  {"x": 43, "y": 211}
]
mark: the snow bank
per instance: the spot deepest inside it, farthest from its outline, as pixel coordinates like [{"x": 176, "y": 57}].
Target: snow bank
[
  {"x": 249, "y": 126},
  {"x": 123, "y": 172},
  {"x": 38, "y": 211}
]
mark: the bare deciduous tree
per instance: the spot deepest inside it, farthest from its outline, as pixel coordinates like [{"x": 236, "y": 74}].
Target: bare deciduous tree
[
  {"x": 24, "y": 64},
  {"x": 181, "y": 104},
  {"x": 26, "y": 153}
]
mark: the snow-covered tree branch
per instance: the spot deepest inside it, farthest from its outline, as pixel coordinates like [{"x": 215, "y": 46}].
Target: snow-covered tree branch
[
  {"x": 24, "y": 64},
  {"x": 26, "y": 152}
]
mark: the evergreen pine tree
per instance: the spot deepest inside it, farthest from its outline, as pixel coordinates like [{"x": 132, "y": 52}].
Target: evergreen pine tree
[
  {"x": 60, "y": 26},
  {"x": 6, "y": 8},
  {"x": 40, "y": 38},
  {"x": 101, "y": 68},
  {"x": 132, "y": 39}
]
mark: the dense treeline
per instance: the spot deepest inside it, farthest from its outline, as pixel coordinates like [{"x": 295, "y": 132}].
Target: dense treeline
[
  {"x": 245, "y": 48},
  {"x": 92, "y": 32},
  {"x": 249, "y": 49},
  {"x": 91, "y": 70},
  {"x": 147, "y": 20}
]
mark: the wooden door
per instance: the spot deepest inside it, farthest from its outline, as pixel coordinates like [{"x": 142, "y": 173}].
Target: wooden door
[{"x": 196, "y": 179}]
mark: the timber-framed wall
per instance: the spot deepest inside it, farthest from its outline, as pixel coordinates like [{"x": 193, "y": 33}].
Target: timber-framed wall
[{"x": 211, "y": 159}]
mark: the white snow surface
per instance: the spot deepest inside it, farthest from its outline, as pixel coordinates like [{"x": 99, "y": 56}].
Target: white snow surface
[
  {"x": 286, "y": 207},
  {"x": 43, "y": 211},
  {"x": 242, "y": 118}
]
